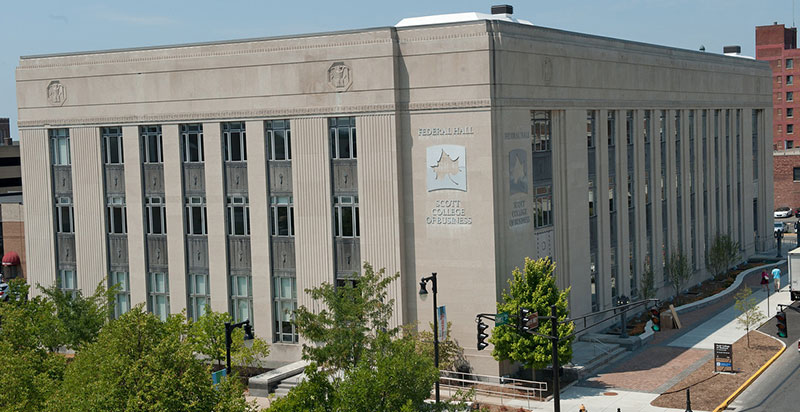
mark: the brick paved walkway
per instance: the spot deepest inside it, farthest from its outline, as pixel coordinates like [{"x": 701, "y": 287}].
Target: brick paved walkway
[{"x": 656, "y": 366}]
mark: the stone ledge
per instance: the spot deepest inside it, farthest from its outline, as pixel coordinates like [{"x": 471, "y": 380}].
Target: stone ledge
[{"x": 260, "y": 385}]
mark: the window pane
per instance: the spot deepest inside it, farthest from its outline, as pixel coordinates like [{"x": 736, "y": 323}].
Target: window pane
[
  {"x": 236, "y": 147},
  {"x": 344, "y": 143},
  {"x": 194, "y": 148},
  {"x": 288, "y": 144},
  {"x": 114, "y": 149},
  {"x": 336, "y": 223},
  {"x": 347, "y": 221},
  {"x": 200, "y": 285},
  {"x": 63, "y": 151},
  {"x": 241, "y": 286},
  {"x": 201, "y": 306},
  {"x": 353, "y": 131},
  {"x": 152, "y": 148},
  {"x": 286, "y": 287},
  {"x": 280, "y": 145},
  {"x": 238, "y": 218},
  {"x": 118, "y": 220},
  {"x": 283, "y": 221},
  {"x": 197, "y": 220},
  {"x": 157, "y": 229}
]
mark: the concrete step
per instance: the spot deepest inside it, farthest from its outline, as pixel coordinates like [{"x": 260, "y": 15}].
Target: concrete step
[{"x": 606, "y": 358}]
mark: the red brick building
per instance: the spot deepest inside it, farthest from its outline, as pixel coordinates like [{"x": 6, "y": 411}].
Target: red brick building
[
  {"x": 778, "y": 45},
  {"x": 787, "y": 178}
]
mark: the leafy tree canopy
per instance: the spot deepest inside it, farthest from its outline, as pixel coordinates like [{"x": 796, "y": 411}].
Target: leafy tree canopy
[{"x": 533, "y": 288}]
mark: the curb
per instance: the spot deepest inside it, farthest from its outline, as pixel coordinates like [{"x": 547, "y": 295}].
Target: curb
[{"x": 751, "y": 379}]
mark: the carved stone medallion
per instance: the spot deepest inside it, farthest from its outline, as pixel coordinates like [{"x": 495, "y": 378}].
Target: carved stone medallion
[
  {"x": 340, "y": 76},
  {"x": 56, "y": 93}
]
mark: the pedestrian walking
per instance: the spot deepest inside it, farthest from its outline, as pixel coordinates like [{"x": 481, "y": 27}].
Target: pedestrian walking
[
  {"x": 776, "y": 275},
  {"x": 582, "y": 409},
  {"x": 765, "y": 280}
]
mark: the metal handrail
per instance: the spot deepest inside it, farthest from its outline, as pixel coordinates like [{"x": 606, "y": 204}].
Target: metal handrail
[
  {"x": 497, "y": 386},
  {"x": 595, "y": 340}
]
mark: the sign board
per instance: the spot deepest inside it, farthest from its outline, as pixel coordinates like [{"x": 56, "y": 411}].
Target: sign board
[
  {"x": 501, "y": 319},
  {"x": 723, "y": 351},
  {"x": 532, "y": 321},
  {"x": 441, "y": 316},
  {"x": 216, "y": 377},
  {"x": 675, "y": 318}
]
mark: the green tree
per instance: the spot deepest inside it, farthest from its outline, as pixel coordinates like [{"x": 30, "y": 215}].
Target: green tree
[
  {"x": 751, "y": 316},
  {"x": 139, "y": 363},
  {"x": 450, "y": 352},
  {"x": 679, "y": 270},
  {"x": 358, "y": 363},
  {"x": 722, "y": 255},
  {"x": 348, "y": 322},
  {"x": 31, "y": 373},
  {"x": 81, "y": 317},
  {"x": 207, "y": 337},
  {"x": 534, "y": 288}
]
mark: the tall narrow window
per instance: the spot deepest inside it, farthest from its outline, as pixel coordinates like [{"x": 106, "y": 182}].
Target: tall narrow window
[
  {"x": 279, "y": 140},
  {"x": 158, "y": 294},
  {"x": 343, "y": 137},
  {"x": 122, "y": 301},
  {"x": 116, "y": 215},
  {"x": 346, "y": 216},
  {"x": 199, "y": 297},
  {"x": 541, "y": 131},
  {"x": 152, "y": 144},
  {"x": 285, "y": 304},
  {"x": 789, "y": 63},
  {"x": 65, "y": 220},
  {"x": 238, "y": 215},
  {"x": 59, "y": 146},
  {"x": 235, "y": 138},
  {"x": 112, "y": 145},
  {"x": 543, "y": 206},
  {"x": 68, "y": 282},
  {"x": 192, "y": 138},
  {"x": 196, "y": 216},
  {"x": 242, "y": 296},
  {"x": 281, "y": 215},
  {"x": 156, "y": 216}
]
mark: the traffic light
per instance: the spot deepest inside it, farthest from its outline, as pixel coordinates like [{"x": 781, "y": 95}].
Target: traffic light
[
  {"x": 783, "y": 330},
  {"x": 655, "y": 317},
  {"x": 527, "y": 321},
  {"x": 482, "y": 335}
]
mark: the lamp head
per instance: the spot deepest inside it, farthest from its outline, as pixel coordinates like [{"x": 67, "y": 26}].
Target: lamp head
[
  {"x": 423, "y": 291},
  {"x": 248, "y": 331}
]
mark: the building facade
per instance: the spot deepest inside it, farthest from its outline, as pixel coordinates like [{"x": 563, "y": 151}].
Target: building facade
[{"x": 238, "y": 174}]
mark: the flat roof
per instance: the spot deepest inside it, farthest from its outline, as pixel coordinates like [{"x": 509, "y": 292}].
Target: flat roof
[{"x": 501, "y": 22}]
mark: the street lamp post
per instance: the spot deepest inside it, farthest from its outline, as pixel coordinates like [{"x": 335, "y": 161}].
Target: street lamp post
[
  {"x": 423, "y": 292},
  {"x": 623, "y": 300},
  {"x": 248, "y": 335}
]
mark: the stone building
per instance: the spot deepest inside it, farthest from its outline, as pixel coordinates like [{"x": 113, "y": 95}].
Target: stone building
[{"x": 240, "y": 173}]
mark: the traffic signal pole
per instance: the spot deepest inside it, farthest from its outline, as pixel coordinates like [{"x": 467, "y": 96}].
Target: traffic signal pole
[{"x": 556, "y": 366}]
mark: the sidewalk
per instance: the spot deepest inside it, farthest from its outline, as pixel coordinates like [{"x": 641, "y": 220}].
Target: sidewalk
[{"x": 634, "y": 382}]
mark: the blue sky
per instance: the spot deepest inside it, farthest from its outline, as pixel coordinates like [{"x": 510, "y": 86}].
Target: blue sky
[{"x": 39, "y": 27}]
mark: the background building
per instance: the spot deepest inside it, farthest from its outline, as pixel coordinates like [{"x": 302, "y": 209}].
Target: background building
[
  {"x": 10, "y": 174},
  {"x": 241, "y": 173}
]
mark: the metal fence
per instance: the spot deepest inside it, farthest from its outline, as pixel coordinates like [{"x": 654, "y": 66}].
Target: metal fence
[{"x": 493, "y": 389}]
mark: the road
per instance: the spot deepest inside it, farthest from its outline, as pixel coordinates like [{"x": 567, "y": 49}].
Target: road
[{"x": 777, "y": 388}]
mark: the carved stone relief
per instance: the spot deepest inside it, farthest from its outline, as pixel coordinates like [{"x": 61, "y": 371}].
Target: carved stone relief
[
  {"x": 56, "y": 93},
  {"x": 340, "y": 76}
]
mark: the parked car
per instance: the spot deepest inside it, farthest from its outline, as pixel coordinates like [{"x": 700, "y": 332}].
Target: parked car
[
  {"x": 782, "y": 212},
  {"x": 778, "y": 227},
  {"x": 797, "y": 212}
]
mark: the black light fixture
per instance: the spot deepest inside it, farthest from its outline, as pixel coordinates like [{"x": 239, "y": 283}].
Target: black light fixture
[
  {"x": 423, "y": 293},
  {"x": 248, "y": 335}
]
